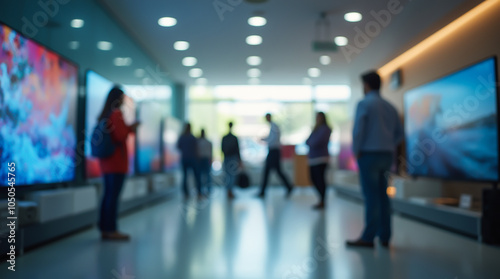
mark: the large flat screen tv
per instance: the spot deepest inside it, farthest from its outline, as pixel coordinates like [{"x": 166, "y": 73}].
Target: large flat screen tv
[
  {"x": 172, "y": 129},
  {"x": 97, "y": 89},
  {"x": 148, "y": 137},
  {"x": 38, "y": 99},
  {"x": 451, "y": 125}
]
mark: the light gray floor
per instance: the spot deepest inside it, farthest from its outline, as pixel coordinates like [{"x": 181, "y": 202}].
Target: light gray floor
[{"x": 252, "y": 238}]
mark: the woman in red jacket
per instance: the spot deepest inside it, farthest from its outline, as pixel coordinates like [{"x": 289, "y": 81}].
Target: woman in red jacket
[{"x": 115, "y": 167}]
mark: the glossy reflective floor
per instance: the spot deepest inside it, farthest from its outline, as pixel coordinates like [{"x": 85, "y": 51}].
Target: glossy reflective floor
[{"x": 253, "y": 238}]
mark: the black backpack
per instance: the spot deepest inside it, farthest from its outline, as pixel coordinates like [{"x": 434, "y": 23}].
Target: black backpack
[
  {"x": 242, "y": 180},
  {"x": 101, "y": 143}
]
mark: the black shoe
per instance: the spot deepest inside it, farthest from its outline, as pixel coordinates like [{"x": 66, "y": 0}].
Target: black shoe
[
  {"x": 289, "y": 192},
  {"x": 384, "y": 244},
  {"x": 261, "y": 195},
  {"x": 319, "y": 206},
  {"x": 359, "y": 243}
]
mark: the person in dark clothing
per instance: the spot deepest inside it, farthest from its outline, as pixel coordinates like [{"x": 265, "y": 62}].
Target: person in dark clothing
[
  {"x": 114, "y": 167},
  {"x": 205, "y": 161},
  {"x": 273, "y": 160},
  {"x": 232, "y": 159},
  {"x": 188, "y": 145},
  {"x": 318, "y": 156}
]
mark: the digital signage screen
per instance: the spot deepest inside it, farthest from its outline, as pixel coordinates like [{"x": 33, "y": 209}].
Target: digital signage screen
[
  {"x": 451, "y": 125},
  {"x": 97, "y": 89},
  {"x": 38, "y": 100}
]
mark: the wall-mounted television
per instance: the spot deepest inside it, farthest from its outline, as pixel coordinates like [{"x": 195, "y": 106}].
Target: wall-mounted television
[
  {"x": 172, "y": 129},
  {"x": 148, "y": 137},
  {"x": 451, "y": 125},
  {"x": 97, "y": 89},
  {"x": 38, "y": 100}
]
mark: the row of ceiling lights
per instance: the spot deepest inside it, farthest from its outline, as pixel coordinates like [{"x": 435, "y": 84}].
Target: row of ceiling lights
[
  {"x": 339, "y": 41},
  {"x": 104, "y": 46},
  {"x": 189, "y": 61},
  {"x": 253, "y": 73}
]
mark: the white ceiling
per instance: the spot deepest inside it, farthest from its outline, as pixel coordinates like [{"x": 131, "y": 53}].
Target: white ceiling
[{"x": 219, "y": 45}]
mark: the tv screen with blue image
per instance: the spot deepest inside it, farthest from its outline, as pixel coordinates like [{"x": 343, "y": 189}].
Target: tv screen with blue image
[
  {"x": 97, "y": 89},
  {"x": 172, "y": 129},
  {"x": 451, "y": 125},
  {"x": 149, "y": 138},
  {"x": 38, "y": 100}
]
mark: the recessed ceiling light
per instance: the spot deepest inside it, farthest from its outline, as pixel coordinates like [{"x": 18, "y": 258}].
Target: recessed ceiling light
[
  {"x": 325, "y": 60},
  {"x": 254, "y": 60},
  {"x": 77, "y": 23},
  {"x": 139, "y": 73},
  {"x": 353, "y": 17},
  {"x": 74, "y": 45},
  {"x": 306, "y": 81},
  {"x": 104, "y": 45},
  {"x": 253, "y": 73},
  {"x": 254, "y": 81},
  {"x": 189, "y": 61},
  {"x": 195, "y": 72},
  {"x": 201, "y": 81},
  {"x": 341, "y": 41},
  {"x": 122, "y": 61},
  {"x": 254, "y": 40},
  {"x": 257, "y": 21},
  {"x": 167, "y": 21},
  {"x": 181, "y": 45},
  {"x": 314, "y": 72}
]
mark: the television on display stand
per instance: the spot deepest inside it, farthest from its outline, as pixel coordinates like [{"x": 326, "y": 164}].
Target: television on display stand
[
  {"x": 451, "y": 128},
  {"x": 97, "y": 89},
  {"x": 38, "y": 115}
]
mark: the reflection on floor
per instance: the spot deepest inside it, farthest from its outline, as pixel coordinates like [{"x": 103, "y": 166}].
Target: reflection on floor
[{"x": 253, "y": 238}]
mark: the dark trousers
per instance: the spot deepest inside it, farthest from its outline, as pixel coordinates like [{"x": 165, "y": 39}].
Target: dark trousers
[
  {"x": 273, "y": 161},
  {"x": 373, "y": 170},
  {"x": 190, "y": 164},
  {"x": 113, "y": 184},
  {"x": 317, "y": 173},
  {"x": 231, "y": 169},
  {"x": 205, "y": 176}
]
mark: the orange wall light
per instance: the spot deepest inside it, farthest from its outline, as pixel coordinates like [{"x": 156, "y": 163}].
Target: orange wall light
[{"x": 413, "y": 52}]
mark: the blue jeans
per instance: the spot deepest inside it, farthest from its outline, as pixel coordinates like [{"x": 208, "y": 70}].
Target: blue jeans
[
  {"x": 231, "y": 169},
  {"x": 190, "y": 164},
  {"x": 373, "y": 170},
  {"x": 113, "y": 184},
  {"x": 205, "y": 176}
]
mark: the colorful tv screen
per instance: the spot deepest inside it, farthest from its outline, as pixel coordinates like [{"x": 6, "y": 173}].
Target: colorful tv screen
[
  {"x": 38, "y": 96},
  {"x": 148, "y": 136},
  {"x": 451, "y": 125},
  {"x": 97, "y": 89},
  {"x": 346, "y": 157},
  {"x": 172, "y": 129}
]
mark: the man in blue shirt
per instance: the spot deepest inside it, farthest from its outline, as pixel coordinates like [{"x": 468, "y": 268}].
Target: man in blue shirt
[
  {"x": 273, "y": 160},
  {"x": 377, "y": 133}
]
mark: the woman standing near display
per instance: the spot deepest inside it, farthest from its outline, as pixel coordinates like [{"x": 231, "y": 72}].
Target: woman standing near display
[
  {"x": 114, "y": 167},
  {"x": 318, "y": 156}
]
